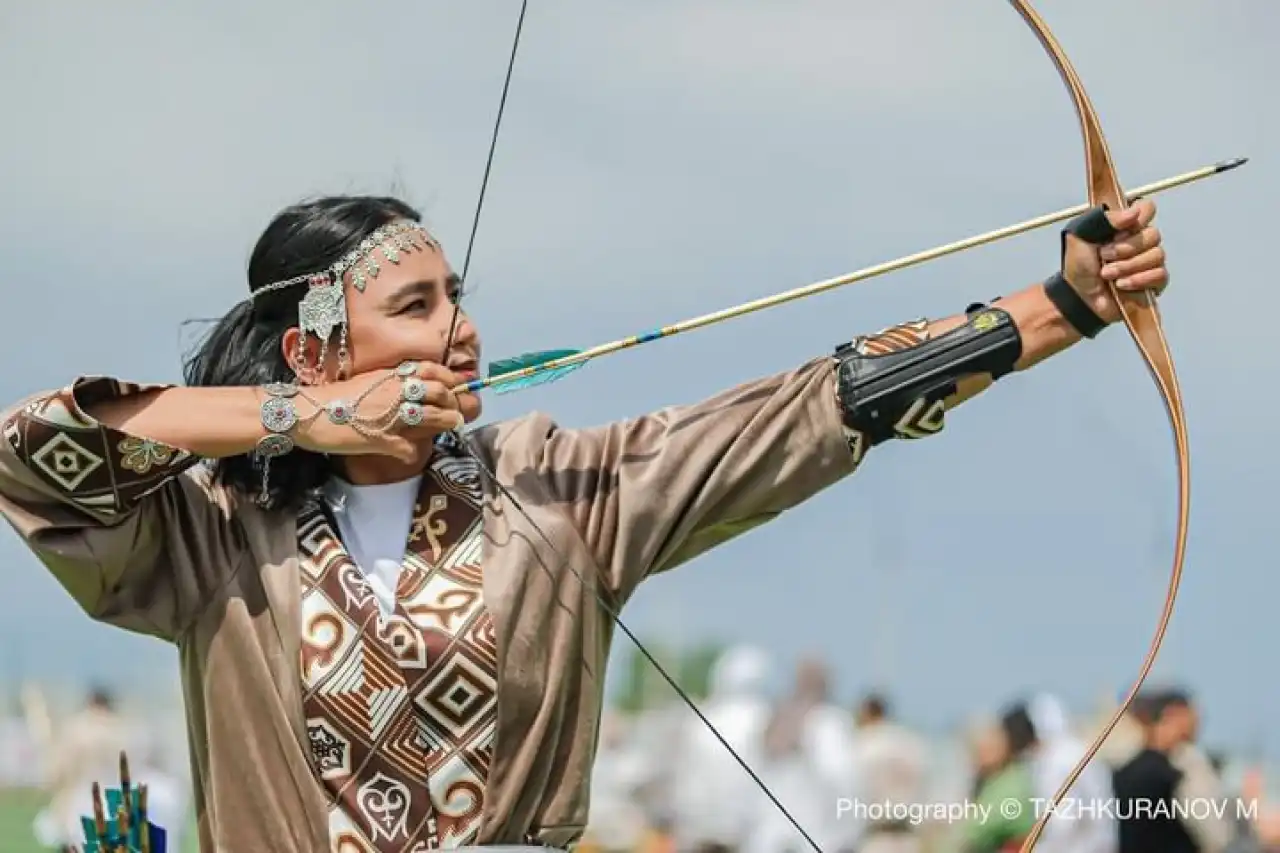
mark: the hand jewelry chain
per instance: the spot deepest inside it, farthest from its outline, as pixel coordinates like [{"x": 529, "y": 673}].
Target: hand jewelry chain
[{"x": 280, "y": 417}]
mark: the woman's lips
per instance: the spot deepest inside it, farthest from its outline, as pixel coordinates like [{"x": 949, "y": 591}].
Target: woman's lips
[{"x": 465, "y": 371}]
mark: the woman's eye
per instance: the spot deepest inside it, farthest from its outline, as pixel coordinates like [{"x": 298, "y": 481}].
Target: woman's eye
[{"x": 415, "y": 305}]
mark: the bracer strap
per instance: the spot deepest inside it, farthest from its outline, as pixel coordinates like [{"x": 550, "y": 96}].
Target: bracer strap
[{"x": 902, "y": 393}]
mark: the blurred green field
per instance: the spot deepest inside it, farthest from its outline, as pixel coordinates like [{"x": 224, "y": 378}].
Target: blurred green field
[{"x": 18, "y": 809}]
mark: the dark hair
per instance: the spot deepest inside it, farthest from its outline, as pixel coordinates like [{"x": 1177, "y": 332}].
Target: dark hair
[
  {"x": 1018, "y": 728},
  {"x": 1144, "y": 706},
  {"x": 875, "y": 705},
  {"x": 1167, "y": 699},
  {"x": 244, "y": 347},
  {"x": 101, "y": 697}
]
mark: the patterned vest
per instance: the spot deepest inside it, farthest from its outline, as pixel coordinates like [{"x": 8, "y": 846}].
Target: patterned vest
[{"x": 401, "y": 710}]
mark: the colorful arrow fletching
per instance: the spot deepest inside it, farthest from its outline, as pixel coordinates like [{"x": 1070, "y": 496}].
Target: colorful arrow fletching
[
  {"x": 110, "y": 835},
  {"x": 532, "y": 362},
  {"x": 128, "y": 829}
]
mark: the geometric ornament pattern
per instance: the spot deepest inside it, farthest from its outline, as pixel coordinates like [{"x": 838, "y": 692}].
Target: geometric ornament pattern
[
  {"x": 101, "y": 470},
  {"x": 401, "y": 709}
]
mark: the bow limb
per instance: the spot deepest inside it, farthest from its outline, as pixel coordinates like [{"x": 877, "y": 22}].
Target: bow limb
[{"x": 1142, "y": 318}]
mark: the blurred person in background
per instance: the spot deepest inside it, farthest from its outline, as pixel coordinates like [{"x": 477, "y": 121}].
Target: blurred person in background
[
  {"x": 828, "y": 739},
  {"x": 20, "y": 750},
  {"x": 1201, "y": 779},
  {"x": 1085, "y": 824},
  {"x": 617, "y": 823},
  {"x": 889, "y": 766},
  {"x": 790, "y": 770},
  {"x": 1169, "y": 768},
  {"x": 83, "y": 750},
  {"x": 1128, "y": 738},
  {"x": 653, "y": 730},
  {"x": 1006, "y": 778},
  {"x": 1261, "y": 834},
  {"x": 988, "y": 749},
  {"x": 713, "y": 801}
]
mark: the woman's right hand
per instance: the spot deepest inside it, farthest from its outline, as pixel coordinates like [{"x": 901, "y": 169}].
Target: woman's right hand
[{"x": 363, "y": 414}]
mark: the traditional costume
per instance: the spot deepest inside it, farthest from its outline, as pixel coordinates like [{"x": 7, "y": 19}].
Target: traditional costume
[{"x": 453, "y": 697}]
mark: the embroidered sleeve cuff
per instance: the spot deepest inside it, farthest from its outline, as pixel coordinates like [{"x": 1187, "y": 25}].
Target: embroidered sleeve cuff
[{"x": 98, "y": 469}]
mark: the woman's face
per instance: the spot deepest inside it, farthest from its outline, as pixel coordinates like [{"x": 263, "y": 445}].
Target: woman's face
[
  {"x": 990, "y": 749},
  {"x": 405, "y": 314}
]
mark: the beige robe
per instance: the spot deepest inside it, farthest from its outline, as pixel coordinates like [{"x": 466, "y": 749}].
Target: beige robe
[{"x": 170, "y": 555}]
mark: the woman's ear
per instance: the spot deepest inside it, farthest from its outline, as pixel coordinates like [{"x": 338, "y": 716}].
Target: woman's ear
[{"x": 302, "y": 353}]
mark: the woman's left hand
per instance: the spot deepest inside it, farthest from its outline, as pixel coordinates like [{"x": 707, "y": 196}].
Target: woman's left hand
[{"x": 1134, "y": 260}]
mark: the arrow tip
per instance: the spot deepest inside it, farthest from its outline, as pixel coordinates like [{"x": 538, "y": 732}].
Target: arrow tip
[{"x": 1228, "y": 165}]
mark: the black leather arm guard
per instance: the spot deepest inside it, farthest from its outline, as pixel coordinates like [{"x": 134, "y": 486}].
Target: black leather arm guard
[{"x": 889, "y": 391}]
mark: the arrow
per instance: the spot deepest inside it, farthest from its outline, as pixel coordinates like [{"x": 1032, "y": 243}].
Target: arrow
[{"x": 540, "y": 367}]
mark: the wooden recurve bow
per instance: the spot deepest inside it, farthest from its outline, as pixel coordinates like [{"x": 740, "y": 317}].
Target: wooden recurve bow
[{"x": 1142, "y": 318}]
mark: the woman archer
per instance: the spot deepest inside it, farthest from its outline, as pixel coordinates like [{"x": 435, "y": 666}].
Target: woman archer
[{"x": 392, "y": 642}]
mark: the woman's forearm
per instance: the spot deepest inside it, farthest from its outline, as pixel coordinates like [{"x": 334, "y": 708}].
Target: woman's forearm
[
  {"x": 1045, "y": 332},
  {"x": 1043, "y": 329},
  {"x": 220, "y": 422},
  {"x": 209, "y": 422}
]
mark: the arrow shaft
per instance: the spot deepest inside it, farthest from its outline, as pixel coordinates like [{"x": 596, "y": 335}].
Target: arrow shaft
[{"x": 839, "y": 281}]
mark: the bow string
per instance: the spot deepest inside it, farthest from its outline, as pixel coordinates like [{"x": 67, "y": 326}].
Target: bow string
[
  {"x": 463, "y": 442},
  {"x": 1140, "y": 315}
]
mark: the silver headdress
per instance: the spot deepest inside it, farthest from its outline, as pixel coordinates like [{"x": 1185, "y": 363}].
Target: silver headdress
[{"x": 324, "y": 306}]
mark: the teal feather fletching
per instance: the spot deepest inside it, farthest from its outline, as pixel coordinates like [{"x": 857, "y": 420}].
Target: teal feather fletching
[
  {"x": 116, "y": 840},
  {"x": 532, "y": 359}
]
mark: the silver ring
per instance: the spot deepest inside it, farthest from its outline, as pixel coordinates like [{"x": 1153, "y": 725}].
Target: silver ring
[
  {"x": 406, "y": 369},
  {"x": 414, "y": 390},
  {"x": 411, "y": 414}
]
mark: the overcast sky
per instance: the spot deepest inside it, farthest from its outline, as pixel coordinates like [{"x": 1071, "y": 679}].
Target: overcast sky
[{"x": 663, "y": 159}]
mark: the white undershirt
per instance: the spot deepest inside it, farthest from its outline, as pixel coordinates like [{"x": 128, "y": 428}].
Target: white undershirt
[{"x": 374, "y": 523}]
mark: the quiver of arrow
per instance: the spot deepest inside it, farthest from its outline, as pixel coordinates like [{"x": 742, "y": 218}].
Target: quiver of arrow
[{"x": 119, "y": 821}]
